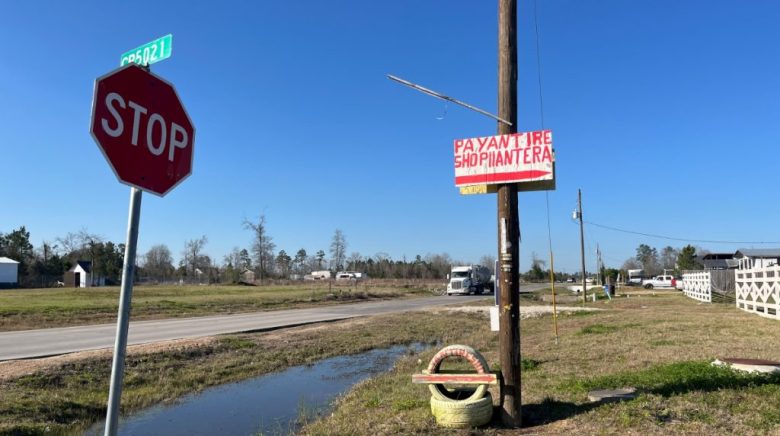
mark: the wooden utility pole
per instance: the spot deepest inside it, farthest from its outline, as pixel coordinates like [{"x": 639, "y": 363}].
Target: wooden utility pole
[
  {"x": 508, "y": 222},
  {"x": 582, "y": 243}
]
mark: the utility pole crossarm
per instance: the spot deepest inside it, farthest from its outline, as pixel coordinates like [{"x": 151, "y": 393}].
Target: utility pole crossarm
[{"x": 446, "y": 98}]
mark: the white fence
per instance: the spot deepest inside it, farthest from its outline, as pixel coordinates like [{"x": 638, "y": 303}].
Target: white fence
[
  {"x": 698, "y": 285},
  {"x": 758, "y": 290}
]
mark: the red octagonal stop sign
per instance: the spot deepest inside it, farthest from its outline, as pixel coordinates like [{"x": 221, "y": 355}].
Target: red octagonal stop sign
[{"x": 142, "y": 129}]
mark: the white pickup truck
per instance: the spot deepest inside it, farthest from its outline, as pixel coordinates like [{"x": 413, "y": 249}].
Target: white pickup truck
[{"x": 659, "y": 282}]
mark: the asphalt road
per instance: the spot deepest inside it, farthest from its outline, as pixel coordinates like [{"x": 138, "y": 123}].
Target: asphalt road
[{"x": 48, "y": 342}]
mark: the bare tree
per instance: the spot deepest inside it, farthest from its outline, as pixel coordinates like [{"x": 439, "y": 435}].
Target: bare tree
[
  {"x": 233, "y": 264},
  {"x": 669, "y": 257},
  {"x": 78, "y": 243},
  {"x": 82, "y": 245},
  {"x": 489, "y": 262},
  {"x": 192, "y": 259},
  {"x": 158, "y": 262},
  {"x": 234, "y": 258},
  {"x": 338, "y": 250},
  {"x": 354, "y": 260},
  {"x": 631, "y": 263},
  {"x": 262, "y": 246},
  {"x": 441, "y": 264}
]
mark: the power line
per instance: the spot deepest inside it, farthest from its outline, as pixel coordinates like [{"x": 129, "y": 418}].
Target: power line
[
  {"x": 539, "y": 66},
  {"x": 651, "y": 235}
]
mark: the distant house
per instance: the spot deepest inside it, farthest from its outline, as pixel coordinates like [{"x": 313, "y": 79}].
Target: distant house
[
  {"x": 247, "y": 276},
  {"x": 80, "y": 276},
  {"x": 9, "y": 273},
  {"x": 757, "y": 257},
  {"x": 718, "y": 261}
]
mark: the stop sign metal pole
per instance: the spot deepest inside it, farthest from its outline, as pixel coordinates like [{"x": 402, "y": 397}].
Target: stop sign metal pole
[
  {"x": 123, "y": 316},
  {"x": 123, "y": 321}
]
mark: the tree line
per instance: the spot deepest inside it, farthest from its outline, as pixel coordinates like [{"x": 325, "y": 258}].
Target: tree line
[
  {"x": 46, "y": 264},
  {"x": 669, "y": 259}
]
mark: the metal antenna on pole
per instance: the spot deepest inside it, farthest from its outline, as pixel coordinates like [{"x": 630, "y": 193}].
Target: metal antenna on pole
[{"x": 446, "y": 98}]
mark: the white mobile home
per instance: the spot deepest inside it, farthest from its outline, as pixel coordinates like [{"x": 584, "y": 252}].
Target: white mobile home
[
  {"x": 321, "y": 275},
  {"x": 9, "y": 272}
]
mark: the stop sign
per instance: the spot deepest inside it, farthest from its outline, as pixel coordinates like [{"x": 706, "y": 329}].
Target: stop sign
[{"x": 142, "y": 129}]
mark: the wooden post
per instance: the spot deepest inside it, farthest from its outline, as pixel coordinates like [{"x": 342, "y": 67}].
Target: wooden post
[{"x": 508, "y": 221}]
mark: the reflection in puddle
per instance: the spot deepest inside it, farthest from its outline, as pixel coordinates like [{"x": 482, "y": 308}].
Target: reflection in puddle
[{"x": 269, "y": 404}]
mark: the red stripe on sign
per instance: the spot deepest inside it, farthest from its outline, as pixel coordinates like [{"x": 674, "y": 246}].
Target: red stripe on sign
[{"x": 499, "y": 177}]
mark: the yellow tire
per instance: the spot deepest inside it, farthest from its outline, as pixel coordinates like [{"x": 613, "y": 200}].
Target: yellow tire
[
  {"x": 462, "y": 414},
  {"x": 440, "y": 392}
]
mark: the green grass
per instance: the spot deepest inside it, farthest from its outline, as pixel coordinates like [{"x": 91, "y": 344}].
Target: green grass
[{"x": 673, "y": 379}]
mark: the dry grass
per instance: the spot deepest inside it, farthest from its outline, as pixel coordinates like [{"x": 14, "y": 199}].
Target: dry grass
[
  {"x": 58, "y": 307},
  {"x": 661, "y": 344}
]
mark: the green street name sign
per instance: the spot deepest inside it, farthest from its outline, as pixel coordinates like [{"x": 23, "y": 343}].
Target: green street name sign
[{"x": 149, "y": 53}]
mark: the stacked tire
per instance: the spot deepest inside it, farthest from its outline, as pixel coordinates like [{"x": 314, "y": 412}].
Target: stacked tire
[{"x": 460, "y": 408}]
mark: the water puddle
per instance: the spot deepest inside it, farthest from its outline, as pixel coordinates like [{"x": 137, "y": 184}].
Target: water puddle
[{"x": 269, "y": 404}]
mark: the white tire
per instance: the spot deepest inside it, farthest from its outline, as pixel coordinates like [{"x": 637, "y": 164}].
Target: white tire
[{"x": 463, "y": 414}]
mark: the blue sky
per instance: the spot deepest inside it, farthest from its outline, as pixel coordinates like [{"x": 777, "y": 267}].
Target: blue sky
[{"x": 663, "y": 112}]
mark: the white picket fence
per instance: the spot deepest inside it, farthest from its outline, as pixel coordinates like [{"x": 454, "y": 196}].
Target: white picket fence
[
  {"x": 698, "y": 285},
  {"x": 758, "y": 289}
]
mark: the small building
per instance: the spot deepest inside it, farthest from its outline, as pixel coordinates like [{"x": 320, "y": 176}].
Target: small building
[
  {"x": 247, "y": 276},
  {"x": 749, "y": 258},
  {"x": 9, "y": 273},
  {"x": 718, "y": 261},
  {"x": 80, "y": 275}
]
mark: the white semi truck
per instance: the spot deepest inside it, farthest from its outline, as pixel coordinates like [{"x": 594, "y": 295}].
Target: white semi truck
[{"x": 469, "y": 279}]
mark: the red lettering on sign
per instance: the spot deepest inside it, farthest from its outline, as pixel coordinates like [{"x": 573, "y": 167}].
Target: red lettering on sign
[
  {"x": 524, "y": 156},
  {"x": 458, "y": 145},
  {"x": 546, "y": 155},
  {"x": 537, "y": 152},
  {"x": 482, "y": 142}
]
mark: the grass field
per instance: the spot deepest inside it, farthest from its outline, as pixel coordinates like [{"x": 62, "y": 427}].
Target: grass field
[
  {"x": 23, "y": 309},
  {"x": 661, "y": 344}
]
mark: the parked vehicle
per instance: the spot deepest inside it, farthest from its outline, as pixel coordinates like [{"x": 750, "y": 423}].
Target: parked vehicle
[
  {"x": 635, "y": 276},
  {"x": 470, "y": 279},
  {"x": 660, "y": 282},
  {"x": 350, "y": 275},
  {"x": 321, "y": 275}
]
